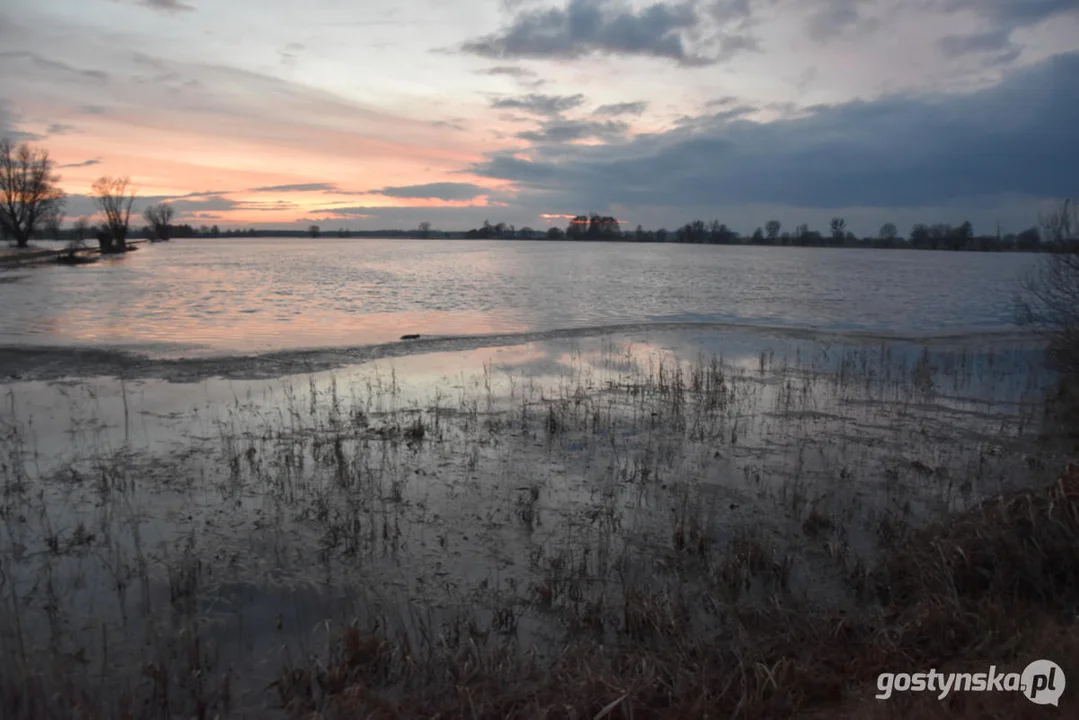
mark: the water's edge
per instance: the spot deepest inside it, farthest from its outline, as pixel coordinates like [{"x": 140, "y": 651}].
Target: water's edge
[{"x": 187, "y": 364}]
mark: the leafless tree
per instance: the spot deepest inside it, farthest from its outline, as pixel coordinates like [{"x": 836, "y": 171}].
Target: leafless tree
[
  {"x": 53, "y": 220},
  {"x": 158, "y": 218},
  {"x": 1061, "y": 225},
  {"x": 78, "y": 235},
  {"x": 115, "y": 197},
  {"x": 1050, "y": 299},
  {"x": 28, "y": 191},
  {"x": 888, "y": 231},
  {"x": 81, "y": 227},
  {"x": 425, "y": 229},
  {"x": 314, "y": 230}
]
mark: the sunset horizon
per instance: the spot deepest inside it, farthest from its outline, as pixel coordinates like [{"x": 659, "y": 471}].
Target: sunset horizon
[{"x": 523, "y": 112}]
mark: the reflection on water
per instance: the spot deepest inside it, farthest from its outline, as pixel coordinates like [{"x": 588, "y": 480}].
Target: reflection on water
[
  {"x": 271, "y": 294},
  {"x": 257, "y": 509}
]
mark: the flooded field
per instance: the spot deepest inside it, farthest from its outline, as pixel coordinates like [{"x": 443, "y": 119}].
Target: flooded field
[{"x": 195, "y": 547}]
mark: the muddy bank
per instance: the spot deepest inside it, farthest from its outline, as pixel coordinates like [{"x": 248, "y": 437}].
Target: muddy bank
[{"x": 190, "y": 364}]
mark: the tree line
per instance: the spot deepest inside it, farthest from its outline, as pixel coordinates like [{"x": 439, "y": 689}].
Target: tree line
[
  {"x": 938, "y": 236},
  {"x": 32, "y": 204}
]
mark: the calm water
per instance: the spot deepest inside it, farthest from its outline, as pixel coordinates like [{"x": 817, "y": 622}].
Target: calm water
[{"x": 240, "y": 296}]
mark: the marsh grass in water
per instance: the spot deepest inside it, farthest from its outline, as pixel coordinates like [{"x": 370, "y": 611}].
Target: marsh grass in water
[{"x": 621, "y": 533}]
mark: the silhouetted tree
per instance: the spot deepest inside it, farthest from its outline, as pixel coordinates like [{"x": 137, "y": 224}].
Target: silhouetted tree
[
  {"x": 839, "y": 228},
  {"x": 53, "y": 220},
  {"x": 80, "y": 228},
  {"x": 1028, "y": 239},
  {"x": 1050, "y": 302},
  {"x": 425, "y": 229},
  {"x": 28, "y": 191},
  {"x": 158, "y": 218},
  {"x": 961, "y": 237},
  {"x": 919, "y": 236},
  {"x": 888, "y": 231},
  {"x": 758, "y": 237},
  {"x": 577, "y": 228},
  {"x": 115, "y": 197},
  {"x": 313, "y": 230},
  {"x": 1060, "y": 225},
  {"x": 555, "y": 233},
  {"x": 772, "y": 227},
  {"x": 215, "y": 231}
]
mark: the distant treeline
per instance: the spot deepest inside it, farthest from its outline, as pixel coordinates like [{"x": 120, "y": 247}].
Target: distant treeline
[
  {"x": 923, "y": 237},
  {"x": 605, "y": 228}
]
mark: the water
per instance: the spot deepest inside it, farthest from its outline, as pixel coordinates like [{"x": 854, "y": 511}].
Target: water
[
  {"x": 244, "y": 296},
  {"x": 217, "y": 509}
]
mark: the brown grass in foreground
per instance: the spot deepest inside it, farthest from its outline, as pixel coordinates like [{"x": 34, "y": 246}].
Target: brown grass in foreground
[{"x": 997, "y": 585}]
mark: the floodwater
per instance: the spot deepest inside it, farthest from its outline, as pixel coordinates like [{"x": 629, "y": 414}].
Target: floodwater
[
  {"x": 202, "y": 296},
  {"x": 582, "y": 416}
]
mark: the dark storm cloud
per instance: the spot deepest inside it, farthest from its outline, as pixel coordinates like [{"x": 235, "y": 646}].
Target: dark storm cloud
[
  {"x": 45, "y": 63},
  {"x": 626, "y": 108},
  {"x": 1006, "y": 16},
  {"x": 585, "y": 27},
  {"x": 1013, "y": 13},
  {"x": 434, "y": 191},
  {"x": 559, "y": 130},
  {"x": 1017, "y": 137},
  {"x": 540, "y": 104}
]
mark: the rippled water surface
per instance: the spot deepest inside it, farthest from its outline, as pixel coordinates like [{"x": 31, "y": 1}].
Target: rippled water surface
[{"x": 272, "y": 294}]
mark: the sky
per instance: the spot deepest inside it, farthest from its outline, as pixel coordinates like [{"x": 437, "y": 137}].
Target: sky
[{"x": 384, "y": 114}]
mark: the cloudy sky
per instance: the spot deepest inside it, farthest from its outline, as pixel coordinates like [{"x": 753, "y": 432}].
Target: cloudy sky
[{"x": 383, "y": 113}]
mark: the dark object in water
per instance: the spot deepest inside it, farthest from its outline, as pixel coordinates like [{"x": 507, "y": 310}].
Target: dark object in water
[
  {"x": 110, "y": 245},
  {"x": 75, "y": 260},
  {"x": 410, "y": 337}
]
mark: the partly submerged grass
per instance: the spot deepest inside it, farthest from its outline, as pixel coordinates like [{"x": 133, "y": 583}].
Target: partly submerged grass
[
  {"x": 996, "y": 585},
  {"x": 636, "y": 538}
]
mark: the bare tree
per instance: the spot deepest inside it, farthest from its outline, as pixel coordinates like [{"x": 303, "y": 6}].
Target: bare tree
[
  {"x": 78, "y": 234},
  {"x": 115, "y": 197},
  {"x": 425, "y": 229},
  {"x": 158, "y": 218},
  {"x": 839, "y": 228},
  {"x": 81, "y": 227},
  {"x": 888, "y": 231},
  {"x": 1060, "y": 225},
  {"x": 314, "y": 230},
  {"x": 1050, "y": 299},
  {"x": 772, "y": 227},
  {"x": 53, "y": 220},
  {"x": 28, "y": 191}
]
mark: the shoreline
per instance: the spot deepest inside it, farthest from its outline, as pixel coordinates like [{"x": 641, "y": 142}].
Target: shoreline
[{"x": 49, "y": 362}]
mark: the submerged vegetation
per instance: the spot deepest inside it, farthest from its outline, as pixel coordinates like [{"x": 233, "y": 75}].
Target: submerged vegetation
[{"x": 617, "y": 533}]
